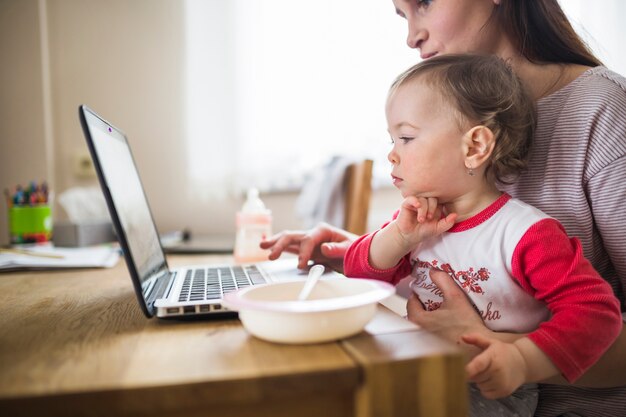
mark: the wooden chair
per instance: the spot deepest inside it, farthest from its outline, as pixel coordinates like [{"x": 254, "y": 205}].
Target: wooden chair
[{"x": 358, "y": 186}]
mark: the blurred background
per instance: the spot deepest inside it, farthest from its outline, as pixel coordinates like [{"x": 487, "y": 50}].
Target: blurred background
[{"x": 215, "y": 96}]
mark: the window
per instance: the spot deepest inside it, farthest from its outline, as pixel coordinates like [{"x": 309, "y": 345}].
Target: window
[
  {"x": 275, "y": 88},
  {"x": 600, "y": 26}
]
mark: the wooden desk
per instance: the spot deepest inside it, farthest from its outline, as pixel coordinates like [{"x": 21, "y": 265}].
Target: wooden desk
[{"x": 76, "y": 343}]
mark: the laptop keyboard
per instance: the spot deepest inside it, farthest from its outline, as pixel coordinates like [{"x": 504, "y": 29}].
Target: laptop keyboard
[{"x": 212, "y": 283}]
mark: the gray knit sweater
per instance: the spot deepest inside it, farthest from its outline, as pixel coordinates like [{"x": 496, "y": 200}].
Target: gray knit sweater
[{"x": 577, "y": 174}]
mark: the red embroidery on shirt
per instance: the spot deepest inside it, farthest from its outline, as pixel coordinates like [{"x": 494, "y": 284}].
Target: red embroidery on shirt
[
  {"x": 430, "y": 287},
  {"x": 468, "y": 280},
  {"x": 431, "y": 305}
]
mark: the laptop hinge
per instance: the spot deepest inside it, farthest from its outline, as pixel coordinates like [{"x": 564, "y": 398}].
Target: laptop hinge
[{"x": 162, "y": 286}]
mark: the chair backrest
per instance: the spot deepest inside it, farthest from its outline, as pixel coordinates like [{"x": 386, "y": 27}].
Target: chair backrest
[{"x": 357, "y": 198}]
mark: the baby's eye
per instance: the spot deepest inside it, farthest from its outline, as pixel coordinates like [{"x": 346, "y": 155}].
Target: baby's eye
[
  {"x": 406, "y": 139},
  {"x": 424, "y": 3}
]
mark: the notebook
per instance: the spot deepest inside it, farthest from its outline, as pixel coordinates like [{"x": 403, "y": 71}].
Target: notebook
[{"x": 163, "y": 292}]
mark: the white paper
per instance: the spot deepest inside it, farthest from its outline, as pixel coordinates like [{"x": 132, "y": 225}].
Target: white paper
[
  {"x": 104, "y": 256},
  {"x": 390, "y": 318}
]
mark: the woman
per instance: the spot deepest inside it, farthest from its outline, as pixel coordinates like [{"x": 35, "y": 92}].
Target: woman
[{"x": 576, "y": 173}]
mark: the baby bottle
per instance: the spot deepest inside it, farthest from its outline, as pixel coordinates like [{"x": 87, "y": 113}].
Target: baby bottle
[{"x": 254, "y": 224}]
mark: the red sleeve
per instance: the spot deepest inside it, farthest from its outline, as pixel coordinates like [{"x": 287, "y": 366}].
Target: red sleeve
[
  {"x": 356, "y": 261},
  {"x": 586, "y": 316}
]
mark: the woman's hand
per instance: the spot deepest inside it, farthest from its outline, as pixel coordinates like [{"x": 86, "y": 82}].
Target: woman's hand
[
  {"x": 454, "y": 318},
  {"x": 323, "y": 244}
]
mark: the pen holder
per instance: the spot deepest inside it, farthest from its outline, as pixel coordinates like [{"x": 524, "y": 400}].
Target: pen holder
[{"x": 30, "y": 224}]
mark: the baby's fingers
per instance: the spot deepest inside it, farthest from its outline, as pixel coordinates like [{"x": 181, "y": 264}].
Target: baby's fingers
[
  {"x": 446, "y": 223},
  {"x": 432, "y": 208},
  {"x": 423, "y": 209},
  {"x": 475, "y": 369},
  {"x": 410, "y": 203}
]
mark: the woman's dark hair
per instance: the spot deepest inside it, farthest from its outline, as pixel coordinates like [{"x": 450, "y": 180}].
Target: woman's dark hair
[
  {"x": 485, "y": 91},
  {"x": 542, "y": 33}
]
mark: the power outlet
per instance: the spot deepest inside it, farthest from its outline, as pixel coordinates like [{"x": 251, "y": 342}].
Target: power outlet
[{"x": 83, "y": 165}]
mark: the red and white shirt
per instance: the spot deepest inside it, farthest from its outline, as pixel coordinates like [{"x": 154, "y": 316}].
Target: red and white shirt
[{"x": 523, "y": 274}]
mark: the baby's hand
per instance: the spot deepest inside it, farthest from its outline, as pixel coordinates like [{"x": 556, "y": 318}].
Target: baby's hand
[
  {"x": 499, "y": 370},
  {"x": 421, "y": 218}
]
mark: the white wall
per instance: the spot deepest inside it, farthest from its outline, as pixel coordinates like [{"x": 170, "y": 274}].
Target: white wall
[
  {"x": 124, "y": 60},
  {"x": 22, "y": 130},
  {"x": 601, "y": 27}
]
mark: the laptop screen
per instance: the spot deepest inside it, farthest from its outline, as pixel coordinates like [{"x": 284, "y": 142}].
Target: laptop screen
[{"x": 126, "y": 199}]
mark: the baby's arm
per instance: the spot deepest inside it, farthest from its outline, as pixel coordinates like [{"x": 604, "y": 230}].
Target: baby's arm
[
  {"x": 585, "y": 319},
  {"x": 502, "y": 367},
  {"x": 419, "y": 219}
]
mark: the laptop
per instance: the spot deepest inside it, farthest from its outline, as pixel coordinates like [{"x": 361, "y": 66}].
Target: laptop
[{"x": 182, "y": 293}]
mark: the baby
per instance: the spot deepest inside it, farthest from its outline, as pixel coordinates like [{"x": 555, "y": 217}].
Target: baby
[{"x": 459, "y": 125}]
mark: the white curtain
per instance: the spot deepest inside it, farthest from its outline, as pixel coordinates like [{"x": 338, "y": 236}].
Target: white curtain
[{"x": 277, "y": 87}]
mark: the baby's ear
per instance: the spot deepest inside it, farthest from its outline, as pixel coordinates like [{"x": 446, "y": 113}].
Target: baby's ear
[{"x": 478, "y": 144}]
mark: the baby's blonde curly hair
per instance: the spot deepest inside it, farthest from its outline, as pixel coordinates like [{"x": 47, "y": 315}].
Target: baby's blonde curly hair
[{"x": 485, "y": 91}]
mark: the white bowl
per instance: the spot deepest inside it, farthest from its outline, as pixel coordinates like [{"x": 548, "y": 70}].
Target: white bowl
[{"x": 336, "y": 308}]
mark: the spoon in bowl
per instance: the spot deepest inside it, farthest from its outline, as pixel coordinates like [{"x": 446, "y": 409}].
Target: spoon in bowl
[{"x": 315, "y": 273}]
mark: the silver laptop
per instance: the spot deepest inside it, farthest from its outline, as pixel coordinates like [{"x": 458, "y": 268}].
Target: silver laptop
[{"x": 163, "y": 292}]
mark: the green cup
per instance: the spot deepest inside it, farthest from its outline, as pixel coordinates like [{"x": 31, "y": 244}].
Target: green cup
[{"x": 29, "y": 224}]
